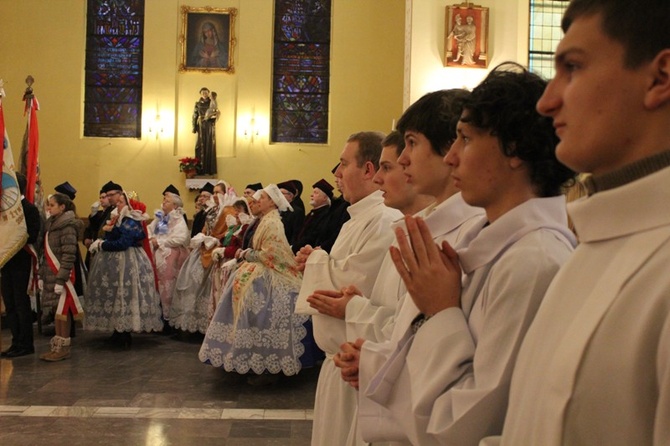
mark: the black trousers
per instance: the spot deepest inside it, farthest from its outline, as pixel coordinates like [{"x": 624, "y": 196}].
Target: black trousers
[{"x": 17, "y": 303}]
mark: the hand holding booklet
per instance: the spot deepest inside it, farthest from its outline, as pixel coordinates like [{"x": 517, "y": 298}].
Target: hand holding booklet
[{"x": 315, "y": 277}]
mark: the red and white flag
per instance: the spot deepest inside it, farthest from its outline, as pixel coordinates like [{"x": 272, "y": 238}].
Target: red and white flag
[{"x": 30, "y": 165}]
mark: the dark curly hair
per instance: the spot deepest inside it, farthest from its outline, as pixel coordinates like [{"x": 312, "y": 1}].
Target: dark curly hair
[
  {"x": 504, "y": 104},
  {"x": 435, "y": 115}
]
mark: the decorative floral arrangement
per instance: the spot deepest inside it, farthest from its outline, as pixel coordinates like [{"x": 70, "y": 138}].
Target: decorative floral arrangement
[{"x": 187, "y": 163}]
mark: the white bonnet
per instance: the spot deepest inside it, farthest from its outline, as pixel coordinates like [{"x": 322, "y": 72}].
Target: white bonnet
[{"x": 275, "y": 195}]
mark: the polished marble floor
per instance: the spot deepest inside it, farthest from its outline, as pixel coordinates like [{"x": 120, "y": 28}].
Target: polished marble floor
[{"x": 157, "y": 393}]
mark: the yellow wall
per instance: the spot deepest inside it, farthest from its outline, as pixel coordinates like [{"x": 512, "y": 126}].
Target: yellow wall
[
  {"x": 508, "y": 41},
  {"x": 378, "y": 67},
  {"x": 46, "y": 38}
]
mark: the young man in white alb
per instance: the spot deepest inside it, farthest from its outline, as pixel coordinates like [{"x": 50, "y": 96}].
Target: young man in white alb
[
  {"x": 355, "y": 257},
  {"x": 595, "y": 365},
  {"x": 447, "y": 381}
]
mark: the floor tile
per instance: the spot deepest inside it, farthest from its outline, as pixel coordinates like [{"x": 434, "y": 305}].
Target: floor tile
[
  {"x": 243, "y": 414},
  {"x": 260, "y": 429},
  {"x": 156, "y": 393}
]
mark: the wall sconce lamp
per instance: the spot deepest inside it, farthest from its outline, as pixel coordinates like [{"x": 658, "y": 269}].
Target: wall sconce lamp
[
  {"x": 156, "y": 127},
  {"x": 251, "y": 130}
]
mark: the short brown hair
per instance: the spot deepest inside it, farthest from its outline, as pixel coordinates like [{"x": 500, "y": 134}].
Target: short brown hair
[
  {"x": 395, "y": 139},
  {"x": 369, "y": 147}
]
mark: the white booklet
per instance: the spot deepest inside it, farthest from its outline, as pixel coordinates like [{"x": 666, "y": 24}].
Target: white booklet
[{"x": 315, "y": 277}]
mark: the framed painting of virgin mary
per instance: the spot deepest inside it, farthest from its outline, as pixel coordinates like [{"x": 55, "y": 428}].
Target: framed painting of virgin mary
[{"x": 207, "y": 39}]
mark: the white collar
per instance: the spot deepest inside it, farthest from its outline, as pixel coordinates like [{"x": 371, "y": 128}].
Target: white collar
[{"x": 486, "y": 242}]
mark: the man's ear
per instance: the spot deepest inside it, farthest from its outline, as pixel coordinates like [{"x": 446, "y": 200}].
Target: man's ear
[
  {"x": 515, "y": 162},
  {"x": 370, "y": 170},
  {"x": 658, "y": 92}
]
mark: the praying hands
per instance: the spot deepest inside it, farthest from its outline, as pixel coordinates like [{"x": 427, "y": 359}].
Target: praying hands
[{"x": 432, "y": 275}]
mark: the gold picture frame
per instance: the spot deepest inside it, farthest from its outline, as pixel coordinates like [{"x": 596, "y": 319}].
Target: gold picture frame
[
  {"x": 207, "y": 39},
  {"x": 466, "y": 36}
]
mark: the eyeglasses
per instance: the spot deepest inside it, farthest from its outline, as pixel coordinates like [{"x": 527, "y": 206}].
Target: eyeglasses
[{"x": 111, "y": 194}]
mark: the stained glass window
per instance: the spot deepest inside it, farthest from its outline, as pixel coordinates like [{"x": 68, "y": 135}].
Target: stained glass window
[
  {"x": 113, "y": 84},
  {"x": 301, "y": 71},
  {"x": 545, "y": 33}
]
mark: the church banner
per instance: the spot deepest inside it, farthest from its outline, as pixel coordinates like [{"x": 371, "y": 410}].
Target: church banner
[{"x": 13, "y": 233}]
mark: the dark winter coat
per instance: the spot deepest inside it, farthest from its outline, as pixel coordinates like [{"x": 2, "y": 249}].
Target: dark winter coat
[{"x": 61, "y": 234}]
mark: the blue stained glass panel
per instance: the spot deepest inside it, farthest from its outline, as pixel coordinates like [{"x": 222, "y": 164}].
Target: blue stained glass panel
[
  {"x": 301, "y": 71},
  {"x": 302, "y": 20},
  {"x": 114, "y": 52}
]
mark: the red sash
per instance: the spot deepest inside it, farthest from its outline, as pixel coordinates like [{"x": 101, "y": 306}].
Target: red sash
[{"x": 69, "y": 301}]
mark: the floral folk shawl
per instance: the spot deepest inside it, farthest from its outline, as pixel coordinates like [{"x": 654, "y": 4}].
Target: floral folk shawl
[{"x": 270, "y": 251}]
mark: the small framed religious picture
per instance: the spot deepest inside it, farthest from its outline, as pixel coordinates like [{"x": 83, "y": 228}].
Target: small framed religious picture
[
  {"x": 207, "y": 39},
  {"x": 466, "y": 42}
]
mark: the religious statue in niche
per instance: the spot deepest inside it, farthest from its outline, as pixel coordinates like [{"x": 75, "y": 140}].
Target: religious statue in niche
[
  {"x": 466, "y": 41},
  {"x": 205, "y": 115}
]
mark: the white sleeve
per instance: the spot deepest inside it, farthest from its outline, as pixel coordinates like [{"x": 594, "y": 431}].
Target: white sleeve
[
  {"x": 473, "y": 406},
  {"x": 662, "y": 422},
  {"x": 360, "y": 267},
  {"x": 412, "y": 378},
  {"x": 373, "y": 318},
  {"x": 367, "y": 320},
  {"x": 150, "y": 228},
  {"x": 177, "y": 236},
  {"x": 375, "y": 421}
]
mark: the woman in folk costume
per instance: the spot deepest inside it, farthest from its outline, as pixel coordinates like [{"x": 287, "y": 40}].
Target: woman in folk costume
[
  {"x": 254, "y": 328},
  {"x": 169, "y": 237},
  {"x": 121, "y": 294},
  {"x": 141, "y": 209},
  {"x": 224, "y": 257},
  {"x": 58, "y": 272},
  {"x": 201, "y": 208},
  {"x": 191, "y": 300}
]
